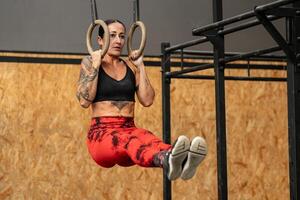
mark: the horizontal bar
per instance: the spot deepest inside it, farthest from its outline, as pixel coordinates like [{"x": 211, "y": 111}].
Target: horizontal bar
[
  {"x": 232, "y": 78},
  {"x": 256, "y": 67},
  {"x": 245, "y": 26},
  {"x": 186, "y": 44},
  {"x": 226, "y": 60},
  {"x": 209, "y": 54},
  {"x": 192, "y": 69},
  {"x": 228, "y": 65},
  {"x": 198, "y": 31},
  {"x": 247, "y": 15},
  {"x": 247, "y": 55}
]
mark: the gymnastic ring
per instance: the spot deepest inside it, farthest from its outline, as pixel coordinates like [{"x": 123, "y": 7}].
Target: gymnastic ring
[
  {"x": 105, "y": 37},
  {"x": 143, "y": 41}
]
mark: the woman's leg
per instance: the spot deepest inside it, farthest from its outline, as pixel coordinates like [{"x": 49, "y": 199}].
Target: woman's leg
[
  {"x": 122, "y": 143},
  {"x": 103, "y": 143},
  {"x": 102, "y": 151},
  {"x": 145, "y": 149}
]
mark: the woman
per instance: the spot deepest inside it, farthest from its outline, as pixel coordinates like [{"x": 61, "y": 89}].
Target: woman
[{"x": 109, "y": 85}]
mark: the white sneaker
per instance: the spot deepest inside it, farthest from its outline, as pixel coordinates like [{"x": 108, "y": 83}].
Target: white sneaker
[
  {"x": 196, "y": 154},
  {"x": 177, "y": 156}
]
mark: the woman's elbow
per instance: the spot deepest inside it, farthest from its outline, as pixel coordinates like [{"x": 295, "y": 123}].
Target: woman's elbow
[
  {"x": 84, "y": 104},
  {"x": 148, "y": 102}
]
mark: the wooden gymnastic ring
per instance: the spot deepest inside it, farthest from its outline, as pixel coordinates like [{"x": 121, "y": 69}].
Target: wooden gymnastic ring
[
  {"x": 105, "y": 37},
  {"x": 143, "y": 41}
]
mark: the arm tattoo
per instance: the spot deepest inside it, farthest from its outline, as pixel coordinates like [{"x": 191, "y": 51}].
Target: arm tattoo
[
  {"x": 120, "y": 104},
  {"x": 84, "y": 95},
  {"x": 85, "y": 78},
  {"x": 87, "y": 74}
]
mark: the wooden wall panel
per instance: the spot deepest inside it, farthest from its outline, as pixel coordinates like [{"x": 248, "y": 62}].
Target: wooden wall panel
[{"x": 42, "y": 137}]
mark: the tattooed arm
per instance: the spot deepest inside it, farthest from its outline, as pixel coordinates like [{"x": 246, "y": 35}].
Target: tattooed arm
[
  {"x": 145, "y": 91},
  {"x": 87, "y": 83}
]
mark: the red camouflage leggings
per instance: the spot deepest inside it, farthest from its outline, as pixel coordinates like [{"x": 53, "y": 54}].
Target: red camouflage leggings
[{"x": 116, "y": 140}]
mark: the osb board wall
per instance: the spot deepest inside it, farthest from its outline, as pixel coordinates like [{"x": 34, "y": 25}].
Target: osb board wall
[{"x": 44, "y": 156}]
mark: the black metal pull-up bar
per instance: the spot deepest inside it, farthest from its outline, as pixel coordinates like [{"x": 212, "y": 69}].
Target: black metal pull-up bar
[
  {"x": 223, "y": 60},
  {"x": 220, "y": 32},
  {"x": 247, "y": 15},
  {"x": 209, "y": 54},
  {"x": 204, "y": 39},
  {"x": 215, "y": 34}
]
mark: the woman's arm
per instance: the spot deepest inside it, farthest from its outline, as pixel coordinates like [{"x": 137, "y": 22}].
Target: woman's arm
[
  {"x": 145, "y": 91},
  {"x": 88, "y": 80}
]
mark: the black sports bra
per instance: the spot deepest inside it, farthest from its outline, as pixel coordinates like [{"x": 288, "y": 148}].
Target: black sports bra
[{"x": 109, "y": 89}]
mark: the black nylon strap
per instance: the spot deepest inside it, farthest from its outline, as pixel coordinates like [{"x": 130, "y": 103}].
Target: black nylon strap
[
  {"x": 94, "y": 10},
  {"x": 136, "y": 10}
]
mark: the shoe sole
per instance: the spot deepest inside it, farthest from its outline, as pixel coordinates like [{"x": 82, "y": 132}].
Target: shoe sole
[
  {"x": 196, "y": 155},
  {"x": 178, "y": 155}
]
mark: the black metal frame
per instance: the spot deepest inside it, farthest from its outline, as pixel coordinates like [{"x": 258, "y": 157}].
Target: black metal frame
[
  {"x": 214, "y": 33},
  {"x": 293, "y": 83},
  {"x": 166, "y": 65}
]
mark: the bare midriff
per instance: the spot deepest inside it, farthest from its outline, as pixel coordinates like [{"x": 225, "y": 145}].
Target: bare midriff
[{"x": 113, "y": 109}]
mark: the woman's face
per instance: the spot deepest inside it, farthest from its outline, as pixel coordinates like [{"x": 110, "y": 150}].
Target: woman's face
[{"x": 117, "y": 39}]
